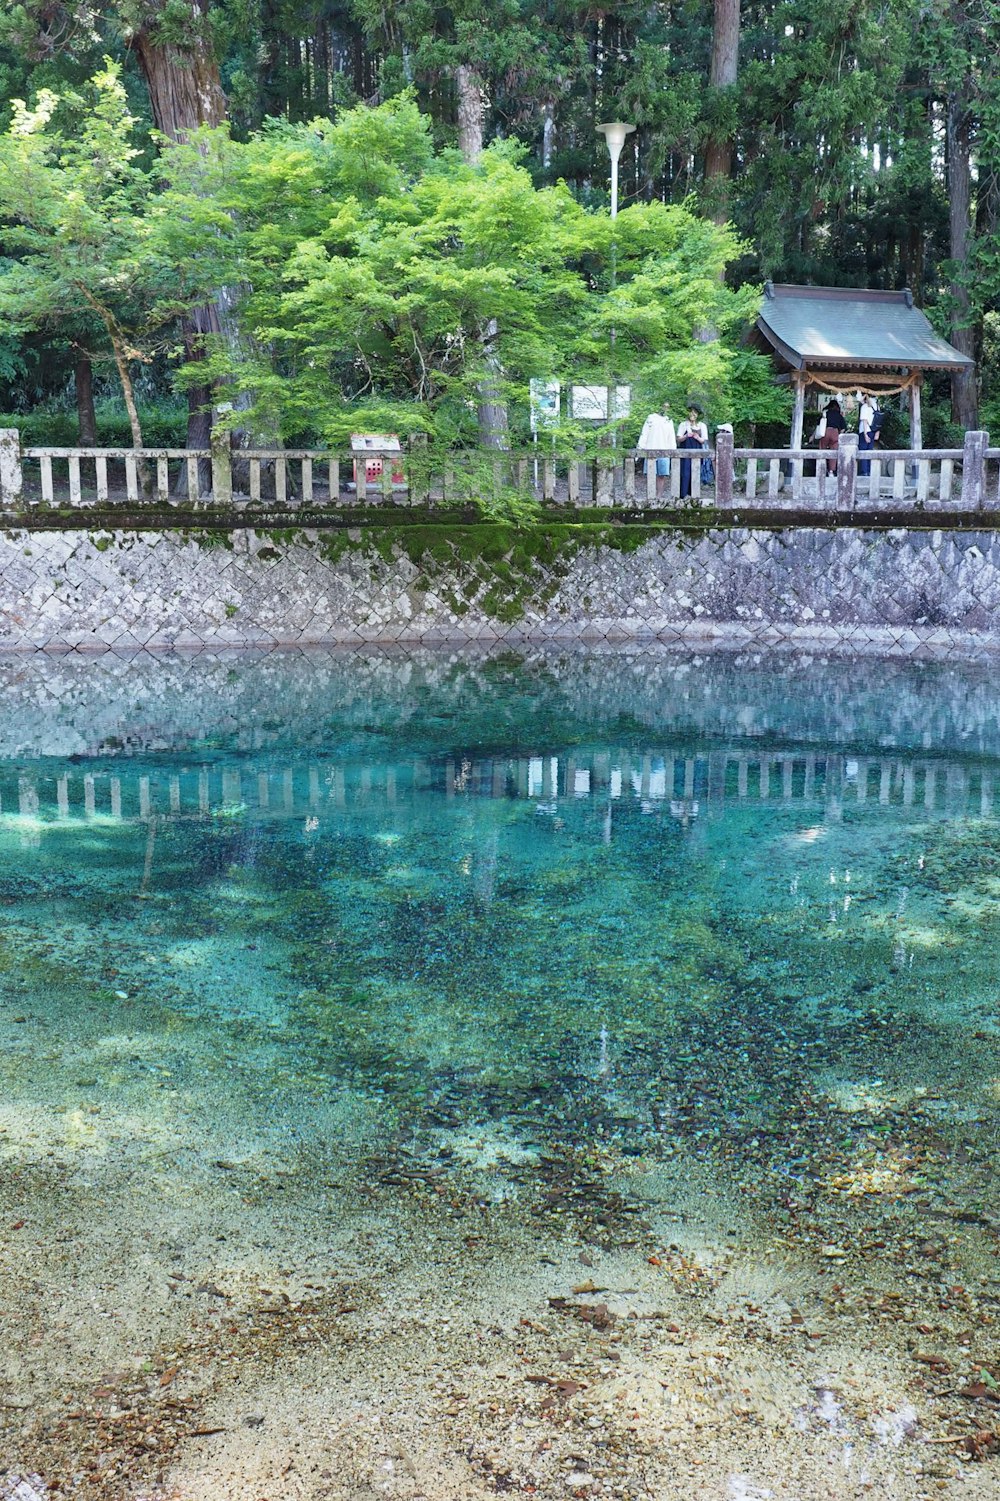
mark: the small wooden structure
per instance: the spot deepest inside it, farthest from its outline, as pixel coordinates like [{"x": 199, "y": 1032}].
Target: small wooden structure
[{"x": 844, "y": 338}]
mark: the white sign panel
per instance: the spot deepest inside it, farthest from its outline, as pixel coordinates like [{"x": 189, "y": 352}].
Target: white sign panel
[
  {"x": 596, "y": 403},
  {"x": 375, "y": 442},
  {"x": 544, "y": 397},
  {"x": 590, "y": 403}
]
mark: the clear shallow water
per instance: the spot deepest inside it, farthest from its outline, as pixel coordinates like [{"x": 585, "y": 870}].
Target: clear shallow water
[{"x": 548, "y": 924}]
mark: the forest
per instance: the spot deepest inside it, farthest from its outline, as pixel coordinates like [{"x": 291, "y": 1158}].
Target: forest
[{"x": 302, "y": 218}]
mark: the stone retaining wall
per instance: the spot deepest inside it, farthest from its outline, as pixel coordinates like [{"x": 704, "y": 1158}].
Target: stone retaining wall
[{"x": 130, "y": 590}]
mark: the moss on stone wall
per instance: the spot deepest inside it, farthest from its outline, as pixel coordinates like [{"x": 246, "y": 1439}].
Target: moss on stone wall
[{"x": 504, "y": 569}]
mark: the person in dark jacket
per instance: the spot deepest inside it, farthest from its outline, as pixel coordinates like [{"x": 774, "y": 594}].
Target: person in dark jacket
[
  {"x": 692, "y": 433},
  {"x": 834, "y": 425}
]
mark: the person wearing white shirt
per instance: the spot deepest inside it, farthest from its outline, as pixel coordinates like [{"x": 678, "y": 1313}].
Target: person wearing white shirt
[
  {"x": 658, "y": 432},
  {"x": 692, "y": 433},
  {"x": 866, "y": 434}
]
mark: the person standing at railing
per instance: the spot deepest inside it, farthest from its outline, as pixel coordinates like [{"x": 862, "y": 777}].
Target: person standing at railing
[
  {"x": 832, "y": 424},
  {"x": 692, "y": 433},
  {"x": 658, "y": 432},
  {"x": 866, "y": 430}
]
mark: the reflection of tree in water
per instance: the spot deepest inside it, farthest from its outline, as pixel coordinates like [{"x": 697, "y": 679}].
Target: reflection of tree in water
[{"x": 580, "y": 979}]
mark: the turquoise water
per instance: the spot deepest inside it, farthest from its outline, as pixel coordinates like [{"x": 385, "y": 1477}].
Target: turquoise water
[{"x": 540, "y": 925}]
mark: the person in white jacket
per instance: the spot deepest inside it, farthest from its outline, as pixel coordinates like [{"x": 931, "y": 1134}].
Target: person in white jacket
[{"x": 658, "y": 432}]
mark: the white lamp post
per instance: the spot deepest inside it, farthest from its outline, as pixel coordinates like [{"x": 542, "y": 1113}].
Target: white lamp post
[{"x": 614, "y": 135}]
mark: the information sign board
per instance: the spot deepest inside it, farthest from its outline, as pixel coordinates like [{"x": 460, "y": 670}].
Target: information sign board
[
  {"x": 597, "y": 403},
  {"x": 544, "y": 397},
  {"x": 590, "y": 403}
]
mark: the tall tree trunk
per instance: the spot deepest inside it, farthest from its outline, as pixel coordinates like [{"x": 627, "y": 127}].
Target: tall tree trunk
[
  {"x": 722, "y": 75},
  {"x": 321, "y": 64},
  {"x": 185, "y": 89},
  {"x": 272, "y": 101},
  {"x": 918, "y": 129},
  {"x": 493, "y": 423},
  {"x": 360, "y": 74},
  {"x": 121, "y": 361},
  {"x": 964, "y": 404},
  {"x": 86, "y": 416},
  {"x": 548, "y": 133},
  {"x": 201, "y": 321},
  {"x": 470, "y": 103},
  {"x": 121, "y": 352}
]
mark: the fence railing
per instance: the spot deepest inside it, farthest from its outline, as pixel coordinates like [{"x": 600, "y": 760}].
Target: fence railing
[
  {"x": 656, "y": 775},
  {"x": 724, "y": 478}
]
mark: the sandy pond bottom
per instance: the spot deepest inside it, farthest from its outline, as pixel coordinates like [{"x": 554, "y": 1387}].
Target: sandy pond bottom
[{"x": 440, "y": 1077}]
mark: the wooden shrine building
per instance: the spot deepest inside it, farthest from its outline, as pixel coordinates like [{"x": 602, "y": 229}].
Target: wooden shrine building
[{"x": 840, "y": 339}]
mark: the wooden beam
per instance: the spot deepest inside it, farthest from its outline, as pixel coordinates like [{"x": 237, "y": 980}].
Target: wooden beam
[
  {"x": 916, "y": 426},
  {"x": 852, "y": 380},
  {"x": 798, "y": 411}
]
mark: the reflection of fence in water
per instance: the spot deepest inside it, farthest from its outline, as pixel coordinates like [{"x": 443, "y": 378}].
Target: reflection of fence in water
[
  {"x": 721, "y": 777},
  {"x": 699, "y": 784}
]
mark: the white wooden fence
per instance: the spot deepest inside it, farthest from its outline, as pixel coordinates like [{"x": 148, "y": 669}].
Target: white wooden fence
[{"x": 48, "y": 478}]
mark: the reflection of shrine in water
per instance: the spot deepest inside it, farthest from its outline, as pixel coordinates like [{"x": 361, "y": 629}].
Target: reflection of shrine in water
[{"x": 685, "y": 785}]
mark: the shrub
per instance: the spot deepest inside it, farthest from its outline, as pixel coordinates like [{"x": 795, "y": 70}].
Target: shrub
[{"x": 164, "y": 425}]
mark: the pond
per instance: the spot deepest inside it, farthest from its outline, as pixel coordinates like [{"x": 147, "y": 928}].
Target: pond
[{"x": 442, "y": 1075}]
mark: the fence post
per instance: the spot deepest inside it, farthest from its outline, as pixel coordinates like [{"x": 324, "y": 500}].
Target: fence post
[
  {"x": 222, "y": 466},
  {"x": 724, "y": 445},
  {"x": 11, "y": 477},
  {"x": 418, "y": 471},
  {"x": 604, "y": 481},
  {"x": 986, "y": 476},
  {"x": 974, "y": 470},
  {"x": 847, "y": 470}
]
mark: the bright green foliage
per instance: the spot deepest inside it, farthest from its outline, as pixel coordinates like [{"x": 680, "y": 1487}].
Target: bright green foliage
[
  {"x": 69, "y": 197},
  {"x": 73, "y": 232},
  {"x": 374, "y": 271},
  {"x": 45, "y": 44},
  {"x": 235, "y": 212}
]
